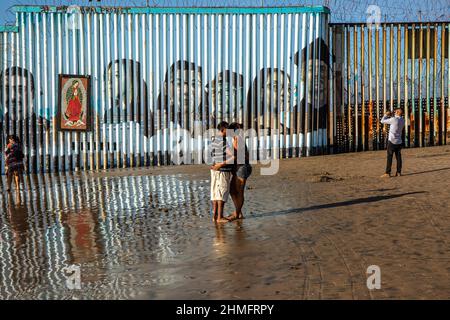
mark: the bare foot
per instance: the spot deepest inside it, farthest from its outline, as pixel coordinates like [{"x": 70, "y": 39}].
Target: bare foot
[
  {"x": 214, "y": 217},
  {"x": 222, "y": 220},
  {"x": 232, "y": 216}
]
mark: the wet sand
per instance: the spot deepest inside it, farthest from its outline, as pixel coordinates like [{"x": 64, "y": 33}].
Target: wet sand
[{"x": 310, "y": 232}]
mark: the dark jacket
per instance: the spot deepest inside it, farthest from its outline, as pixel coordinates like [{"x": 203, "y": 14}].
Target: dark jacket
[{"x": 14, "y": 154}]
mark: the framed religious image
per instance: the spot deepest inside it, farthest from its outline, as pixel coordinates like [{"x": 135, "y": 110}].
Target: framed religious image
[{"x": 74, "y": 111}]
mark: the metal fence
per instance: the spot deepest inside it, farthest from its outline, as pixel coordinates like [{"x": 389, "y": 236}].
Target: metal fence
[
  {"x": 160, "y": 77},
  {"x": 394, "y": 65}
]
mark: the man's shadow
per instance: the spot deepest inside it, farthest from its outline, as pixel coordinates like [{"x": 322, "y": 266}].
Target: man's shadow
[
  {"x": 337, "y": 204},
  {"x": 427, "y": 171}
]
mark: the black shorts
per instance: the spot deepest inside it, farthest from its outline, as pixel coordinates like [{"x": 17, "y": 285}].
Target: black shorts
[
  {"x": 15, "y": 168},
  {"x": 244, "y": 171}
]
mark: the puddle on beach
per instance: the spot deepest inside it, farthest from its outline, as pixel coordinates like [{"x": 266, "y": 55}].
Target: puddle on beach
[{"x": 116, "y": 228}]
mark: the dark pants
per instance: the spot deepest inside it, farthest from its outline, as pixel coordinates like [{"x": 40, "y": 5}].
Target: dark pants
[{"x": 391, "y": 149}]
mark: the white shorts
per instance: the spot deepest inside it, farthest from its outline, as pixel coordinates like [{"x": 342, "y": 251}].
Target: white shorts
[{"x": 220, "y": 185}]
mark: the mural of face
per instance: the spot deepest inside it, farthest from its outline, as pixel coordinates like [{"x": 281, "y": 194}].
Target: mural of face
[
  {"x": 316, "y": 64},
  {"x": 277, "y": 101},
  {"x": 16, "y": 87},
  {"x": 182, "y": 96},
  {"x": 186, "y": 90},
  {"x": 121, "y": 83},
  {"x": 320, "y": 85},
  {"x": 128, "y": 91},
  {"x": 227, "y": 111},
  {"x": 273, "y": 86}
]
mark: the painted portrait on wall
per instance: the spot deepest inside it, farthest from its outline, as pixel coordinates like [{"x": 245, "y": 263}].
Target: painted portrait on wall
[
  {"x": 182, "y": 94},
  {"x": 74, "y": 105},
  {"x": 272, "y": 85},
  {"x": 18, "y": 91},
  {"x": 313, "y": 92},
  {"x": 227, "y": 94},
  {"x": 17, "y": 95},
  {"x": 128, "y": 95}
]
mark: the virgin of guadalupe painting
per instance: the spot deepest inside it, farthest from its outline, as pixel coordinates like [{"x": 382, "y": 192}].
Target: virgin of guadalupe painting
[{"x": 74, "y": 106}]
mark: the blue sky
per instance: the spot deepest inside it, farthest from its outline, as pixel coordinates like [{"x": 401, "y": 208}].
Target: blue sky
[{"x": 342, "y": 10}]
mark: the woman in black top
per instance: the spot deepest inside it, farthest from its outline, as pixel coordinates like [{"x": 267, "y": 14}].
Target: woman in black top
[
  {"x": 242, "y": 171},
  {"x": 14, "y": 161}
]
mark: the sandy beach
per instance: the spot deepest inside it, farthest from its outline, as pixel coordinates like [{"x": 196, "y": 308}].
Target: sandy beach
[{"x": 310, "y": 232}]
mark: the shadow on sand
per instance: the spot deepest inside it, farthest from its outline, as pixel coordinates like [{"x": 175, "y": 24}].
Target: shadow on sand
[
  {"x": 336, "y": 204},
  {"x": 428, "y": 171}
]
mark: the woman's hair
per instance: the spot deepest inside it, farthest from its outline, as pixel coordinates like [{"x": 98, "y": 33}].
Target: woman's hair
[
  {"x": 235, "y": 126},
  {"x": 15, "y": 139},
  {"x": 223, "y": 125}
]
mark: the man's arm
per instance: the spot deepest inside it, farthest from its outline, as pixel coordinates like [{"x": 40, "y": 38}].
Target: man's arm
[
  {"x": 229, "y": 160},
  {"x": 387, "y": 119}
]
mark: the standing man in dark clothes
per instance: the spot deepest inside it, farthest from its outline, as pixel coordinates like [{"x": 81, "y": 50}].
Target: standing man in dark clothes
[{"x": 397, "y": 123}]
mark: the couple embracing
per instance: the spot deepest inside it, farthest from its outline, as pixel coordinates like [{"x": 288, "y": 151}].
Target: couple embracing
[{"x": 230, "y": 170}]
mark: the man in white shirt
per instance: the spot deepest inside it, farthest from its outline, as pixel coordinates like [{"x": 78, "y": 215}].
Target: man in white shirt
[{"x": 397, "y": 123}]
